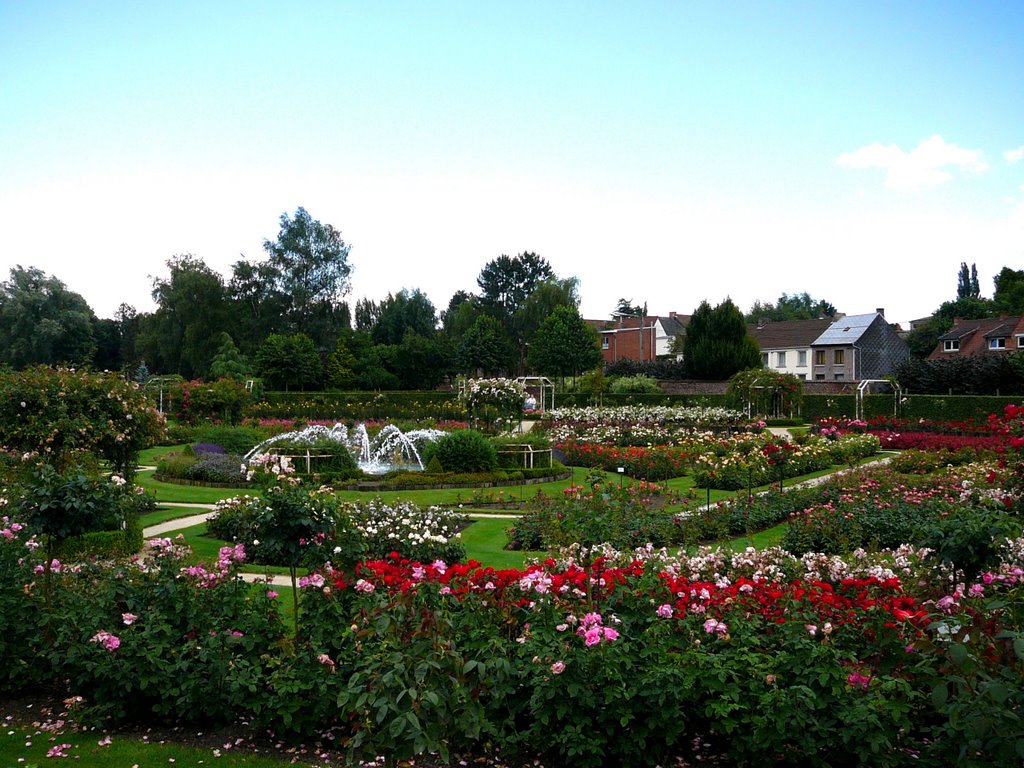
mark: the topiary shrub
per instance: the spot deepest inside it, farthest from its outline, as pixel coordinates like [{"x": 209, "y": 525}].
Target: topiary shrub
[
  {"x": 464, "y": 450},
  {"x": 434, "y": 466}
]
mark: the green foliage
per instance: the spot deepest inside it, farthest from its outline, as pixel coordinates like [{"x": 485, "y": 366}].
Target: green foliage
[
  {"x": 183, "y": 335},
  {"x": 798, "y": 306},
  {"x": 238, "y": 439},
  {"x": 969, "y": 539},
  {"x": 485, "y": 348},
  {"x": 638, "y": 384},
  {"x": 506, "y": 281},
  {"x": 228, "y": 362},
  {"x": 60, "y": 412},
  {"x": 221, "y": 400},
  {"x": 42, "y": 322},
  {"x": 970, "y": 375},
  {"x": 462, "y": 450},
  {"x": 564, "y": 345},
  {"x": 1009, "y": 292},
  {"x": 769, "y": 392},
  {"x": 401, "y": 313},
  {"x": 434, "y": 466},
  {"x": 69, "y": 503},
  {"x": 717, "y": 344},
  {"x": 341, "y": 364},
  {"x": 308, "y": 271},
  {"x": 289, "y": 361}
]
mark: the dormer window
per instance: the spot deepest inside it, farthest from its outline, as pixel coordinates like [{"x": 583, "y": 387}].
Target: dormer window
[
  {"x": 951, "y": 345},
  {"x": 999, "y": 342}
]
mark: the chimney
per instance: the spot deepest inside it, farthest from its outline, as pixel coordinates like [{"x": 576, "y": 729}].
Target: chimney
[{"x": 881, "y": 311}]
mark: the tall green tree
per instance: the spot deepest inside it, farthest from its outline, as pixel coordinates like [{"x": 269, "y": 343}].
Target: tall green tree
[
  {"x": 42, "y": 322},
  {"x": 258, "y": 305},
  {"x": 506, "y": 281},
  {"x": 181, "y": 335},
  {"x": 289, "y": 361},
  {"x": 549, "y": 294},
  {"x": 229, "y": 362},
  {"x": 401, "y": 313},
  {"x": 967, "y": 282},
  {"x": 564, "y": 345},
  {"x": 485, "y": 349},
  {"x": 1009, "y": 293},
  {"x": 717, "y": 344},
  {"x": 341, "y": 365},
  {"x": 308, "y": 263}
]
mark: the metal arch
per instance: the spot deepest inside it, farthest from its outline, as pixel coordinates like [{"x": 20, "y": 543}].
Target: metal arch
[{"x": 865, "y": 384}]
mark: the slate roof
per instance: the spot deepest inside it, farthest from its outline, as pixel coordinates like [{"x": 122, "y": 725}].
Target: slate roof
[
  {"x": 990, "y": 327},
  {"x": 788, "y": 334},
  {"x": 846, "y": 330}
]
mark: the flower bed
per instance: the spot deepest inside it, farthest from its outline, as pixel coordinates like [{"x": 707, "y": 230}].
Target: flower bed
[{"x": 737, "y": 658}]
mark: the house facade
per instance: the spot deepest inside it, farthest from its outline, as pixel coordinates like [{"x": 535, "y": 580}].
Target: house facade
[
  {"x": 629, "y": 338},
  {"x": 857, "y": 347},
  {"x": 990, "y": 335},
  {"x": 786, "y": 344}
]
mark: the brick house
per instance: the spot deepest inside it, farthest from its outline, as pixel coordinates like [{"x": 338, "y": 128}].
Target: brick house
[
  {"x": 990, "y": 335},
  {"x": 858, "y": 347},
  {"x": 786, "y": 344},
  {"x": 624, "y": 338}
]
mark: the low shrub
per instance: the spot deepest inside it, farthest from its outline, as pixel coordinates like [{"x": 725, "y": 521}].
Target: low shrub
[{"x": 464, "y": 450}]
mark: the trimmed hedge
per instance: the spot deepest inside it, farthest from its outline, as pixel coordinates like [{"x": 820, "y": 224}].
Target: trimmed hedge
[{"x": 102, "y": 545}]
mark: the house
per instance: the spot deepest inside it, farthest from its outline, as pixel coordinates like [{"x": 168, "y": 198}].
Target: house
[
  {"x": 858, "y": 347},
  {"x": 623, "y": 337},
  {"x": 786, "y": 344},
  {"x": 990, "y": 335}
]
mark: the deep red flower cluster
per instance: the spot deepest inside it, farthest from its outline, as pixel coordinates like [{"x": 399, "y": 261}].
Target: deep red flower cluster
[{"x": 851, "y": 601}]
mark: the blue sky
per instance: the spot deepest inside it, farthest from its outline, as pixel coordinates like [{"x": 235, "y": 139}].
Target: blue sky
[{"x": 666, "y": 152}]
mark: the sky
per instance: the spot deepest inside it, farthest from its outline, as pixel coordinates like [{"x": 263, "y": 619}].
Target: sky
[{"x": 663, "y": 152}]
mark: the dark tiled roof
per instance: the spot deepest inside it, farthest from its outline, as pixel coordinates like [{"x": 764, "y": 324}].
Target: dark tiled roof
[{"x": 788, "y": 334}]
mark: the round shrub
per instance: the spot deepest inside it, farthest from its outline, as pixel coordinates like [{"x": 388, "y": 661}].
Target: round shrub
[
  {"x": 464, "y": 450},
  {"x": 640, "y": 384}
]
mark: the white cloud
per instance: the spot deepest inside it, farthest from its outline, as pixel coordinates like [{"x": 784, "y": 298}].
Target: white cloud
[
  {"x": 1014, "y": 155},
  {"x": 924, "y": 166}
]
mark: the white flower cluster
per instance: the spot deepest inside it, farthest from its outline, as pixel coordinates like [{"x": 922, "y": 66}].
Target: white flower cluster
[
  {"x": 694, "y": 417},
  {"x": 507, "y": 395},
  {"x": 403, "y": 523},
  {"x": 723, "y": 567}
]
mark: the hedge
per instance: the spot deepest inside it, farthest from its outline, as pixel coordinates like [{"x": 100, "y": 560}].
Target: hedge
[{"x": 102, "y": 545}]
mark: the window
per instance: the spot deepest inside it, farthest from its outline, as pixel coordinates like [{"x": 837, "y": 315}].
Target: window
[
  {"x": 819, "y": 357},
  {"x": 951, "y": 345},
  {"x": 1020, "y": 341},
  {"x": 839, "y": 377},
  {"x": 801, "y": 359},
  {"x": 764, "y": 359},
  {"x": 604, "y": 342},
  {"x": 781, "y": 359},
  {"x": 997, "y": 343},
  {"x": 802, "y": 376},
  {"x": 819, "y": 377},
  {"x": 837, "y": 356}
]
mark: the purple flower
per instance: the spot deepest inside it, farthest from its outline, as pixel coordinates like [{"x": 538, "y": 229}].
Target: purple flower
[{"x": 664, "y": 611}]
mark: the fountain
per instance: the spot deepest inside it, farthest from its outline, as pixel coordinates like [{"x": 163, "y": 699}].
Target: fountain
[{"x": 390, "y": 449}]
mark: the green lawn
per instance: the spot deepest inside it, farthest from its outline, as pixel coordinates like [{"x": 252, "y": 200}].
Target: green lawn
[
  {"x": 189, "y": 494},
  {"x": 29, "y": 747}
]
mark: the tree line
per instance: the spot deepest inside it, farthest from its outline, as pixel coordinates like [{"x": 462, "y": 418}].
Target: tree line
[{"x": 286, "y": 319}]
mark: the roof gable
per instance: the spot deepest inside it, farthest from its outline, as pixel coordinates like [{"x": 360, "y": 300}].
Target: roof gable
[{"x": 846, "y": 330}]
